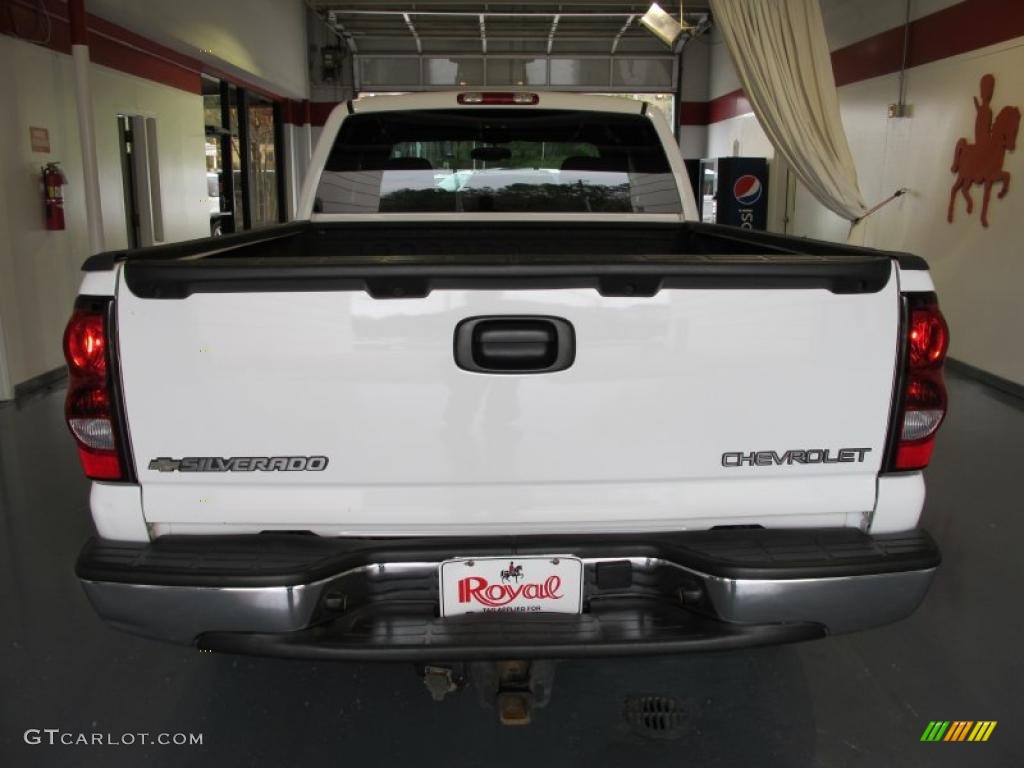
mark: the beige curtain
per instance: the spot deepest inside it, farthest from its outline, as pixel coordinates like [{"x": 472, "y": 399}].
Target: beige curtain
[{"x": 780, "y": 52}]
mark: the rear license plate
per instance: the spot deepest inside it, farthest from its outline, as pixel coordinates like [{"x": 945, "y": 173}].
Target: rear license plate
[{"x": 535, "y": 584}]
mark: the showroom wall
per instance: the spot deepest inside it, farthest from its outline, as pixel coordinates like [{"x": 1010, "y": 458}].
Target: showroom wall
[
  {"x": 978, "y": 271},
  {"x": 261, "y": 40},
  {"x": 40, "y": 270}
]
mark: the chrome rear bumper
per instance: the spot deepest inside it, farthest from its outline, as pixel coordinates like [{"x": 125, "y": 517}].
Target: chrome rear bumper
[{"x": 731, "y": 584}]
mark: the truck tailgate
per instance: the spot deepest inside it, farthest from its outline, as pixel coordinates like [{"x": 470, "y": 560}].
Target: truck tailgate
[{"x": 689, "y": 408}]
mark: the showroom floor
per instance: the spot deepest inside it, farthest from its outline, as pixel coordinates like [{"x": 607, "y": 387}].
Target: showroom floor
[{"x": 860, "y": 700}]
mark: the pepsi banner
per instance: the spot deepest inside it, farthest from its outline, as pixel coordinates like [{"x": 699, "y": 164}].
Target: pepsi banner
[{"x": 742, "y": 192}]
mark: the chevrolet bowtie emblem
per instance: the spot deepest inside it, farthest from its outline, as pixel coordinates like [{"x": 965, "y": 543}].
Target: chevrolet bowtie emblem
[{"x": 164, "y": 464}]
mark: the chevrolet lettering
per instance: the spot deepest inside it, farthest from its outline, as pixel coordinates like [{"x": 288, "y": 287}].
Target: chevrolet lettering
[{"x": 806, "y": 456}]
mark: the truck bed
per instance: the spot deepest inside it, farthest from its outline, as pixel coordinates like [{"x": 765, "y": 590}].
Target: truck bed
[{"x": 409, "y": 259}]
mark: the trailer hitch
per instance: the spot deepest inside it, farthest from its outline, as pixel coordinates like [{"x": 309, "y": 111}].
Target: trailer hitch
[{"x": 515, "y": 687}]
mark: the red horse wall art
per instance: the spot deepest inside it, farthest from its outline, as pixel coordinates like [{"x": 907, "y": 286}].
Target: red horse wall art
[{"x": 982, "y": 161}]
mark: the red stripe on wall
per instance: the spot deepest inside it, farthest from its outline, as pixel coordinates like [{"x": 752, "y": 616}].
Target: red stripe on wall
[
  {"x": 104, "y": 28},
  {"x": 24, "y": 20},
  {"x": 150, "y": 65},
  {"x": 961, "y": 28},
  {"x": 965, "y": 27},
  {"x": 109, "y": 44},
  {"x": 693, "y": 113},
  {"x": 952, "y": 31},
  {"x": 113, "y": 46},
  {"x": 319, "y": 111},
  {"x": 220, "y": 74},
  {"x": 292, "y": 112},
  {"x": 77, "y": 21},
  {"x": 728, "y": 105},
  {"x": 313, "y": 112},
  {"x": 881, "y": 54}
]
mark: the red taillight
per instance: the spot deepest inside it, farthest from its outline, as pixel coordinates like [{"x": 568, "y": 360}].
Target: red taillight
[
  {"x": 89, "y": 408},
  {"x": 99, "y": 465},
  {"x": 499, "y": 97},
  {"x": 924, "y": 392},
  {"x": 928, "y": 337},
  {"x": 85, "y": 344}
]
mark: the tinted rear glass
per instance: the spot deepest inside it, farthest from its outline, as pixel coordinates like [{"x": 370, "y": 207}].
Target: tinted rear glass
[{"x": 497, "y": 161}]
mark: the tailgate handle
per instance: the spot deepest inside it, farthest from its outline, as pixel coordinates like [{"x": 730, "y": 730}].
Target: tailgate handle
[{"x": 514, "y": 344}]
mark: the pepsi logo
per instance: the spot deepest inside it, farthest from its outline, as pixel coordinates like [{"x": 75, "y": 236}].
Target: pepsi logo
[{"x": 747, "y": 189}]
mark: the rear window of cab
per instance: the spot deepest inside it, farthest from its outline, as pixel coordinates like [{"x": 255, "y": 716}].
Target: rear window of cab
[{"x": 497, "y": 160}]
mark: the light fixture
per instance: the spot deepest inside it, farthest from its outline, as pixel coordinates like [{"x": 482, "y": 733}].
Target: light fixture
[{"x": 662, "y": 25}]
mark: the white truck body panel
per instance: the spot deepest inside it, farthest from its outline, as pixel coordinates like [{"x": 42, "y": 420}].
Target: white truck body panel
[{"x": 630, "y": 437}]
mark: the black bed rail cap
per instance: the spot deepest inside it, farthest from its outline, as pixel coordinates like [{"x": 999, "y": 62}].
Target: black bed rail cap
[
  {"x": 101, "y": 262},
  {"x": 636, "y": 276}
]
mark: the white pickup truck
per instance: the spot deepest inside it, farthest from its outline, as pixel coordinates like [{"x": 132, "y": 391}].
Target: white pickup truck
[{"x": 497, "y": 394}]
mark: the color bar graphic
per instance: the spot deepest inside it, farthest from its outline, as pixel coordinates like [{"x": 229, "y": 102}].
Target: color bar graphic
[
  {"x": 958, "y": 730},
  {"x": 935, "y": 730},
  {"x": 982, "y": 730}
]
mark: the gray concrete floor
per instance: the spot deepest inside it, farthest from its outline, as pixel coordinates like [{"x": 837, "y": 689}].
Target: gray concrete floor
[{"x": 860, "y": 700}]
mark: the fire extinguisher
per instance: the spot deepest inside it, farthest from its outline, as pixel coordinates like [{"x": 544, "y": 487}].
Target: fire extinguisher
[{"x": 53, "y": 195}]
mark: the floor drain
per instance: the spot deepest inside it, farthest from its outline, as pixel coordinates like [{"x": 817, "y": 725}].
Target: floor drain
[{"x": 659, "y": 717}]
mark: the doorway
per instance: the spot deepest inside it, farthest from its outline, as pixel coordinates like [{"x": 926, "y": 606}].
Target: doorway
[
  {"x": 131, "y": 208},
  {"x": 140, "y": 180},
  {"x": 244, "y": 158}
]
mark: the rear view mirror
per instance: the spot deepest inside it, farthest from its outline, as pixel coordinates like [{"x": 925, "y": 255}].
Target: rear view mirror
[{"x": 491, "y": 154}]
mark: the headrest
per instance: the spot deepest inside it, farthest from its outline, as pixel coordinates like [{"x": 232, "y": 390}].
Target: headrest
[
  {"x": 407, "y": 164},
  {"x": 605, "y": 164}
]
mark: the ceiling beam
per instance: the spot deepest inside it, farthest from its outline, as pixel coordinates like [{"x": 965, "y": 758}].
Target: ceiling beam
[
  {"x": 552, "y": 31},
  {"x": 615, "y": 42},
  {"x": 412, "y": 30}
]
